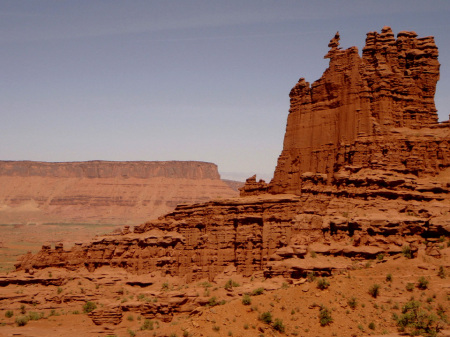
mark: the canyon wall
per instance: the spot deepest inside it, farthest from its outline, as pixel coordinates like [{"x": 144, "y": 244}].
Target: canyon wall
[{"x": 103, "y": 191}]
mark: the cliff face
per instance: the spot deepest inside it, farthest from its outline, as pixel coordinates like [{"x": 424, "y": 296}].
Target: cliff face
[
  {"x": 368, "y": 167},
  {"x": 103, "y": 192},
  {"x": 110, "y": 169},
  {"x": 363, "y": 100}
]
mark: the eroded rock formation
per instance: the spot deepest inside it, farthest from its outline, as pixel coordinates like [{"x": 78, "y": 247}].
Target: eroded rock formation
[
  {"x": 362, "y": 110},
  {"x": 364, "y": 174},
  {"x": 102, "y": 191},
  {"x": 366, "y": 166}
]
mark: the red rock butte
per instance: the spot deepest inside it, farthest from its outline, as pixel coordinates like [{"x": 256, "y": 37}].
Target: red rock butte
[
  {"x": 359, "y": 113},
  {"x": 364, "y": 169}
]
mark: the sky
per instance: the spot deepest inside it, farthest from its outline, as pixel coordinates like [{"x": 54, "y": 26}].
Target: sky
[{"x": 178, "y": 80}]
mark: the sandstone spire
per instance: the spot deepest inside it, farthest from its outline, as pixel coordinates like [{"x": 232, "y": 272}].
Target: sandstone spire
[
  {"x": 391, "y": 86},
  {"x": 333, "y": 45}
]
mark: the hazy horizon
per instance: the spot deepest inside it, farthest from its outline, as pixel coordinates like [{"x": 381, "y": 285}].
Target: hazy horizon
[{"x": 174, "y": 80}]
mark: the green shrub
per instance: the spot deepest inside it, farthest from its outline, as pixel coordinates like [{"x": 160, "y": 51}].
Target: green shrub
[
  {"x": 131, "y": 333},
  {"x": 441, "y": 313},
  {"x": 423, "y": 283},
  {"x": 352, "y": 303},
  {"x": 216, "y": 328},
  {"x": 23, "y": 310},
  {"x": 35, "y": 316},
  {"x": 311, "y": 276},
  {"x": 266, "y": 317},
  {"x": 258, "y": 291},
  {"x": 148, "y": 325},
  {"x": 53, "y": 313},
  {"x": 278, "y": 325},
  {"x": 389, "y": 277},
  {"x": 59, "y": 290},
  {"x": 323, "y": 283},
  {"x": 206, "y": 284},
  {"x": 212, "y": 302},
  {"x": 89, "y": 306},
  {"x": 374, "y": 290},
  {"x": 9, "y": 314},
  {"x": 406, "y": 251},
  {"x": 417, "y": 321},
  {"x": 246, "y": 299},
  {"x": 410, "y": 286},
  {"x": 230, "y": 284},
  {"x": 441, "y": 272},
  {"x": 380, "y": 256},
  {"x": 372, "y": 326},
  {"x": 325, "y": 316},
  {"x": 21, "y": 320}
]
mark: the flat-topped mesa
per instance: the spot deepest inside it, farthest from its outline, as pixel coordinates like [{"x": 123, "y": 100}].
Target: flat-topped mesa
[
  {"x": 111, "y": 169},
  {"x": 107, "y": 192},
  {"x": 391, "y": 86}
]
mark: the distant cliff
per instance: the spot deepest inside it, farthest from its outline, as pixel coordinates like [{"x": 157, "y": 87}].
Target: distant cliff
[
  {"x": 111, "y": 169},
  {"x": 103, "y": 191}
]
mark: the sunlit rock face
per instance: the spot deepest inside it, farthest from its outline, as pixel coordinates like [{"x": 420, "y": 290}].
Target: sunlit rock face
[
  {"x": 357, "y": 112},
  {"x": 365, "y": 170}
]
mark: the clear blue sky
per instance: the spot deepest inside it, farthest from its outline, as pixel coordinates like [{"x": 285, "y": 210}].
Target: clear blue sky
[{"x": 178, "y": 80}]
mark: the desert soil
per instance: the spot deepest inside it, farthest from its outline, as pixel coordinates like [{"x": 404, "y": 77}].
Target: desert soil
[{"x": 296, "y": 303}]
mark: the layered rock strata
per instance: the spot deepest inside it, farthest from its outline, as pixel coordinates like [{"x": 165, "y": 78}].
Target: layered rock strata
[
  {"x": 102, "y": 191},
  {"x": 367, "y": 169},
  {"x": 360, "y": 113},
  {"x": 261, "y": 233},
  {"x": 368, "y": 178}
]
